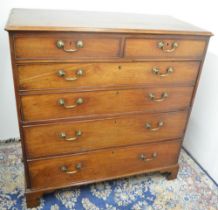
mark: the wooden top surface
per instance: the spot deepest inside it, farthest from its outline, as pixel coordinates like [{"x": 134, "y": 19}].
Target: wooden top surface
[{"x": 86, "y": 21}]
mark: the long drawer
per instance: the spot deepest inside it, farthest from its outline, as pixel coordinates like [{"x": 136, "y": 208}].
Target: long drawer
[
  {"x": 74, "y": 137},
  {"x": 80, "y": 75},
  {"x": 66, "y": 105},
  {"x": 100, "y": 165}
]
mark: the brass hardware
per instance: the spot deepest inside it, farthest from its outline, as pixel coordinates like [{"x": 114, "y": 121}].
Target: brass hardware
[
  {"x": 79, "y": 101},
  {"x": 64, "y": 169},
  {"x": 162, "y": 45},
  {"x": 63, "y": 135},
  {"x": 159, "y": 125},
  {"x": 169, "y": 71},
  {"x": 79, "y": 73},
  {"x": 61, "y": 45},
  {"x": 144, "y": 157},
  {"x": 163, "y": 97}
]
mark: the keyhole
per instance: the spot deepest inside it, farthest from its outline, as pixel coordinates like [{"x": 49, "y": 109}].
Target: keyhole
[{"x": 119, "y": 67}]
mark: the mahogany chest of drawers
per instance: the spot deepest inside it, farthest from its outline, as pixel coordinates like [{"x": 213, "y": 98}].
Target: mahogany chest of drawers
[{"x": 101, "y": 95}]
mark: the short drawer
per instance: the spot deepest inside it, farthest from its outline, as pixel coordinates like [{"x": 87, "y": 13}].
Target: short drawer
[
  {"x": 81, "y": 75},
  {"x": 164, "y": 48},
  {"x": 73, "y": 137},
  {"x": 67, "y": 105},
  {"x": 101, "y": 165},
  {"x": 66, "y": 46}
]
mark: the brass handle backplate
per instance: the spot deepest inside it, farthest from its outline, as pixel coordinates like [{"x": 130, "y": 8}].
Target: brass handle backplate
[
  {"x": 64, "y": 136},
  {"x": 163, "y": 97},
  {"x": 62, "y": 73},
  {"x": 146, "y": 159},
  {"x": 65, "y": 169},
  {"x": 61, "y": 45},
  {"x": 159, "y": 125},
  {"x": 164, "y": 46},
  {"x": 78, "y": 102},
  {"x": 156, "y": 71}
]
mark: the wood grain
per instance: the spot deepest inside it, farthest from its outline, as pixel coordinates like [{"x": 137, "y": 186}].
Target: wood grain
[
  {"x": 44, "y": 140},
  {"x": 149, "y": 48},
  {"x": 42, "y": 107},
  {"x": 118, "y": 54},
  {"x": 45, "y": 76},
  {"x": 40, "y": 47},
  {"x": 111, "y": 22},
  {"x": 111, "y": 163}
]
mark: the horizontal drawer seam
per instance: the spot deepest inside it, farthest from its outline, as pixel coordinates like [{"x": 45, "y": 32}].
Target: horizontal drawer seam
[
  {"x": 95, "y": 89},
  {"x": 104, "y": 149},
  {"x": 29, "y": 61},
  {"x": 98, "y": 116},
  {"x": 106, "y": 118}
]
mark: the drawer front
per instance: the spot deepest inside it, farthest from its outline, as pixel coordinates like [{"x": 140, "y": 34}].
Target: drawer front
[
  {"x": 66, "y": 46},
  {"x": 154, "y": 48},
  {"x": 66, "y": 105},
  {"x": 99, "y": 165},
  {"x": 66, "y": 138},
  {"x": 76, "y": 75}
]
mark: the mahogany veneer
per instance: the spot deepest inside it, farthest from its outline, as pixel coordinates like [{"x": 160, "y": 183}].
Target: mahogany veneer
[
  {"x": 44, "y": 140},
  {"x": 98, "y": 165},
  {"x": 96, "y": 94},
  {"x": 44, "y": 76},
  {"x": 38, "y": 107}
]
